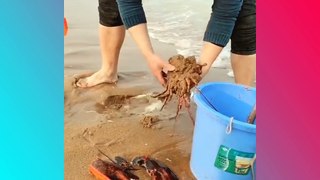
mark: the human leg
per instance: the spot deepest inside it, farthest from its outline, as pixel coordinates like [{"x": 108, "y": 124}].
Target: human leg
[
  {"x": 243, "y": 45},
  {"x": 111, "y": 34},
  {"x": 244, "y": 68}
]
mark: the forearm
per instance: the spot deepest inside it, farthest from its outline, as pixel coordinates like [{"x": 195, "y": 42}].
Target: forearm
[
  {"x": 219, "y": 30},
  {"x": 140, "y": 35},
  {"x": 208, "y": 55},
  {"x": 134, "y": 19}
]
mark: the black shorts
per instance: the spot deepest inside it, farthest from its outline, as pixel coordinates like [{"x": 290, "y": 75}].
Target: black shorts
[
  {"x": 109, "y": 13},
  {"x": 243, "y": 38}
]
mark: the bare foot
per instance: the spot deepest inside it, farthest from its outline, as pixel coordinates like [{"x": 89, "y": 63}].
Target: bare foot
[{"x": 97, "y": 78}]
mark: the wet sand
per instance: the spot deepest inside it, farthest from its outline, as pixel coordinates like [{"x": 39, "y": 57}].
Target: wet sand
[{"x": 109, "y": 116}]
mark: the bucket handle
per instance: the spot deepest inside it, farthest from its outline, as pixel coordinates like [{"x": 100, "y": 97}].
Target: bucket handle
[
  {"x": 252, "y": 115},
  {"x": 229, "y": 126},
  {"x": 252, "y": 170},
  {"x": 205, "y": 98}
]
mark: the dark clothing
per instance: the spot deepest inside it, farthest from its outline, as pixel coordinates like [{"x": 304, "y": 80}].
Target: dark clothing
[
  {"x": 230, "y": 19},
  {"x": 223, "y": 17},
  {"x": 243, "y": 38},
  {"x": 109, "y": 14},
  {"x": 132, "y": 12},
  {"x": 235, "y": 19}
]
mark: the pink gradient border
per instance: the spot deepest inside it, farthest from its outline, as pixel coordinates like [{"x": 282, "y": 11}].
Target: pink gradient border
[{"x": 288, "y": 90}]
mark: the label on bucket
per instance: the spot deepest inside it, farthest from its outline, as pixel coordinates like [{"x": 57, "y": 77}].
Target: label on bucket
[{"x": 233, "y": 161}]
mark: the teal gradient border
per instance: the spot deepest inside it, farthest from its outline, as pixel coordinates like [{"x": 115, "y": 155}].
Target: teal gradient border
[{"x": 31, "y": 90}]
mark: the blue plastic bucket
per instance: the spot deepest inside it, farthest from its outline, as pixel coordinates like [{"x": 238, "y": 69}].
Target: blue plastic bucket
[{"x": 217, "y": 154}]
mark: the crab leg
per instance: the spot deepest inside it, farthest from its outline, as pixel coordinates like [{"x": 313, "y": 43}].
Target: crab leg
[
  {"x": 155, "y": 96},
  {"x": 164, "y": 103},
  {"x": 190, "y": 115},
  {"x": 179, "y": 106},
  {"x": 183, "y": 85}
]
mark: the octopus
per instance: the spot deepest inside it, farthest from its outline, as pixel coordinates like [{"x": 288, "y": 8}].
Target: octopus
[{"x": 179, "y": 82}]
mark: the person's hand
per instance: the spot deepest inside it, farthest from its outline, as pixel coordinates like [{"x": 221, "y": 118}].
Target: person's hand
[
  {"x": 158, "y": 66},
  {"x": 204, "y": 71}
]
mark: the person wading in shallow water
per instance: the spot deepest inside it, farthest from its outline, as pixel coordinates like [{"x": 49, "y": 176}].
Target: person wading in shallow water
[{"x": 230, "y": 19}]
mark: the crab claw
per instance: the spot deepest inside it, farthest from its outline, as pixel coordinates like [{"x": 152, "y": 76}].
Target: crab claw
[
  {"x": 154, "y": 169},
  {"x": 107, "y": 171},
  {"x": 145, "y": 162},
  {"x": 139, "y": 161},
  {"x": 127, "y": 167},
  {"x": 122, "y": 162}
]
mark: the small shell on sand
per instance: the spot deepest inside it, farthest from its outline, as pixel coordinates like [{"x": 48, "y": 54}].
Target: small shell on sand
[{"x": 148, "y": 121}]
